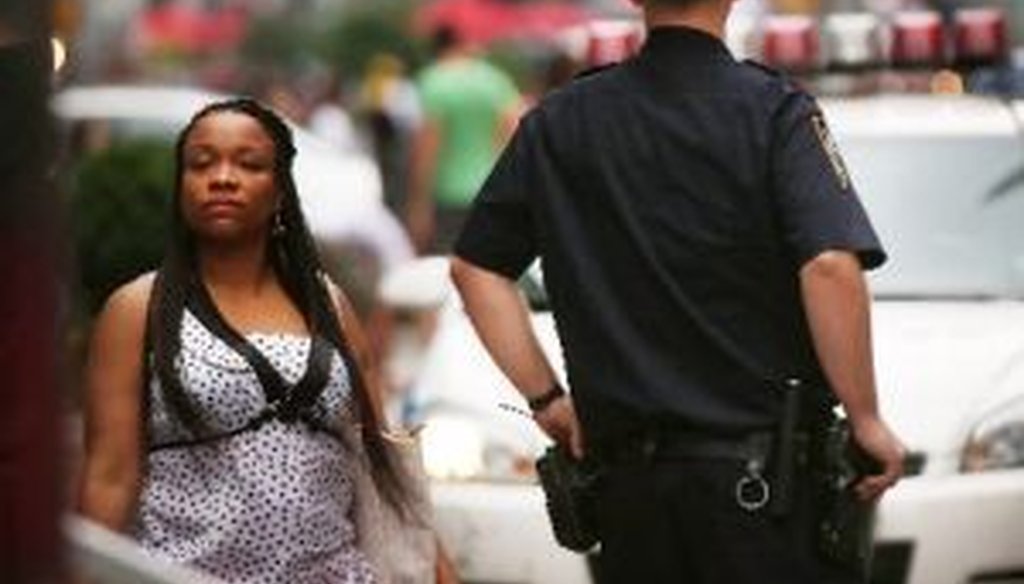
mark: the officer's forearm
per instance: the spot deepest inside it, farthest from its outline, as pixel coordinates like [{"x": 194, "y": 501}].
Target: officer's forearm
[
  {"x": 837, "y": 305},
  {"x": 502, "y": 321}
]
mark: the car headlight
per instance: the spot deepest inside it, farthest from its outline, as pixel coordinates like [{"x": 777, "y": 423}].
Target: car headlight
[
  {"x": 457, "y": 448},
  {"x": 997, "y": 442}
]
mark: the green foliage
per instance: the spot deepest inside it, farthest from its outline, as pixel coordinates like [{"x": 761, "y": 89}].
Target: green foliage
[
  {"x": 515, "y": 59},
  {"x": 358, "y": 33},
  {"x": 345, "y": 40},
  {"x": 277, "y": 42},
  {"x": 119, "y": 215}
]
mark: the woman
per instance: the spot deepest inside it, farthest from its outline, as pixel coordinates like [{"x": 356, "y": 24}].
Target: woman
[{"x": 224, "y": 447}]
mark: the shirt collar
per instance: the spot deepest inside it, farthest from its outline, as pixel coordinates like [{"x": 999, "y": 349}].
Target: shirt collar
[{"x": 685, "y": 44}]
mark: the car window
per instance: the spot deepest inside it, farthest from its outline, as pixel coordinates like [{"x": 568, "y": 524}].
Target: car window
[{"x": 949, "y": 210}]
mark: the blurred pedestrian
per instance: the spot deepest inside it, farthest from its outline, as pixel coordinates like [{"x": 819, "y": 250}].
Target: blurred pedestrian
[
  {"x": 329, "y": 119},
  {"x": 558, "y": 70},
  {"x": 282, "y": 96},
  {"x": 392, "y": 110},
  {"x": 470, "y": 107},
  {"x": 220, "y": 388},
  {"x": 703, "y": 255}
]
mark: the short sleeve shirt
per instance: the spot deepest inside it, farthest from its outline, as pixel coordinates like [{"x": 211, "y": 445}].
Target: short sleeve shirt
[
  {"x": 467, "y": 99},
  {"x": 672, "y": 200}
]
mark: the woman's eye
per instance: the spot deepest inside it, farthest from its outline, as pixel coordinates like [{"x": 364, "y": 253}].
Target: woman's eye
[
  {"x": 198, "y": 162},
  {"x": 254, "y": 165}
]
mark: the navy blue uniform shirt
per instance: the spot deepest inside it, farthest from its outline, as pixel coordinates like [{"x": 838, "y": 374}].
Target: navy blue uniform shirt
[{"x": 672, "y": 200}]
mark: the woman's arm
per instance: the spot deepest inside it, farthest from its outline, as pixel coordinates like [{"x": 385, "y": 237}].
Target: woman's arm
[{"x": 113, "y": 416}]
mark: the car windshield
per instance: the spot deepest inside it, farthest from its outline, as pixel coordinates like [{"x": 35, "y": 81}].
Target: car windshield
[{"x": 948, "y": 208}]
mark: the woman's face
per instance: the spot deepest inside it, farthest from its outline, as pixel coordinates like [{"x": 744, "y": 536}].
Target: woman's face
[{"x": 228, "y": 188}]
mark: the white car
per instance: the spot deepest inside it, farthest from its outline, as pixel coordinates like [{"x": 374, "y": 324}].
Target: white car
[
  {"x": 943, "y": 180},
  {"x": 340, "y": 190}
]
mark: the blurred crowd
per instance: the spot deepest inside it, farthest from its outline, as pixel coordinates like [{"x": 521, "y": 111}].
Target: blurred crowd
[
  {"x": 432, "y": 120},
  {"x": 434, "y": 133}
]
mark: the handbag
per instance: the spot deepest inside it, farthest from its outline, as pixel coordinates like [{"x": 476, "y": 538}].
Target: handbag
[{"x": 401, "y": 547}]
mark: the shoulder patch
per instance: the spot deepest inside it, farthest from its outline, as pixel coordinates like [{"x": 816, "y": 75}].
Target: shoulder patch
[{"x": 831, "y": 150}]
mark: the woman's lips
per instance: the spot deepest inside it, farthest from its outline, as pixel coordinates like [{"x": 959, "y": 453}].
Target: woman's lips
[{"x": 221, "y": 207}]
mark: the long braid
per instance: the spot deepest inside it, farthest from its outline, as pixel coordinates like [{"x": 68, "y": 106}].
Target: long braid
[
  {"x": 295, "y": 260},
  {"x": 177, "y": 269},
  {"x": 306, "y": 269}
]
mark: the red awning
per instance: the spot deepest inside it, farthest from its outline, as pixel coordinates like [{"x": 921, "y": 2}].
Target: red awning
[
  {"x": 182, "y": 28},
  {"x": 484, "y": 21}
]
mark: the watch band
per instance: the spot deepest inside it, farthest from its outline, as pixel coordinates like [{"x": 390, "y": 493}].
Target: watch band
[{"x": 545, "y": 399}]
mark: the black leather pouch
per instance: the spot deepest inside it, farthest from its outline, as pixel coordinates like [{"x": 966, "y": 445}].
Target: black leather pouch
[
  {"x": 846, "y": 523},
  {"x": 570, "y": 490}
]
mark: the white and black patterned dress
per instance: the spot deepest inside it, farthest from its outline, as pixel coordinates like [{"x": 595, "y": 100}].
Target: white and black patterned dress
[{"x": 271, "y": 505}]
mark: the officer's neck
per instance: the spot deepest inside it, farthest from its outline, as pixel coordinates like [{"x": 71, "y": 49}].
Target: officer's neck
[{"x": 708, "y": 17}]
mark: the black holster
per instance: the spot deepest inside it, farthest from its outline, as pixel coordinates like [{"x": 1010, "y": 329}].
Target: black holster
[
  {"x": 845, "y": 523},
  {"x": 823, "y": 449},
  {"x": 570, "y": 490}
]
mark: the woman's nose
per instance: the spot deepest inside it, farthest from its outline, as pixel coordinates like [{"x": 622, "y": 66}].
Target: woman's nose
[{"x": 223, "y": 176}]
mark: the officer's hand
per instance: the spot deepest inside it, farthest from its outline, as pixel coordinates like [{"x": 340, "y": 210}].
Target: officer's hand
[
  {"x": 559, "y": 421},
  {"x": 879, "y": 442}
]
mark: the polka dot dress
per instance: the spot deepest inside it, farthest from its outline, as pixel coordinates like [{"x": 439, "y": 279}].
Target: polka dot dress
[{"x": 271, "y": 505}]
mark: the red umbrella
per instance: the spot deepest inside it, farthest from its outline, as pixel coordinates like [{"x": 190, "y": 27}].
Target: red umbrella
[{"x": 483, "y": 21}]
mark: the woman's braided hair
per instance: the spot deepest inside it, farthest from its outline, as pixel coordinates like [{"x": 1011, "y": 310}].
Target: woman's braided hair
[{"x": 295, "y": 260}]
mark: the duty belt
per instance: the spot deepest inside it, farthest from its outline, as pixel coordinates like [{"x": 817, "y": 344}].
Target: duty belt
[
  {"x": 753, "y": 490},
  {"x": 680, "y": 445}
]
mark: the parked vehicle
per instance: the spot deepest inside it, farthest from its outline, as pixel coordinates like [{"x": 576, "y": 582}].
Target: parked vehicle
[{"x": 943, "y": 179}]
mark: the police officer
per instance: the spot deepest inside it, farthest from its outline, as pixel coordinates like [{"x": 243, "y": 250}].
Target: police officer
[{"x": 703, "y": 248}]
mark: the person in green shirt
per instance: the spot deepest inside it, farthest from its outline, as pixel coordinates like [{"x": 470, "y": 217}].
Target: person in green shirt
[{"x": 470, "y": 108}]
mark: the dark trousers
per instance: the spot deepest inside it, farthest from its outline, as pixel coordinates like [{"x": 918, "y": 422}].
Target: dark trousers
[{"x": 677, "y": 521}]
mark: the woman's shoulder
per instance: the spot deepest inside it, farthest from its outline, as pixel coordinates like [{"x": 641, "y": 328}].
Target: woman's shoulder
[
  {"x": 130, "y": 301},
  {"x": 119, "y": 329}
]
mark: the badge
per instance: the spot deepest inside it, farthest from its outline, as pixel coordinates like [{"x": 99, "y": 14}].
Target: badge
[{"x": 828, "y": 144}]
